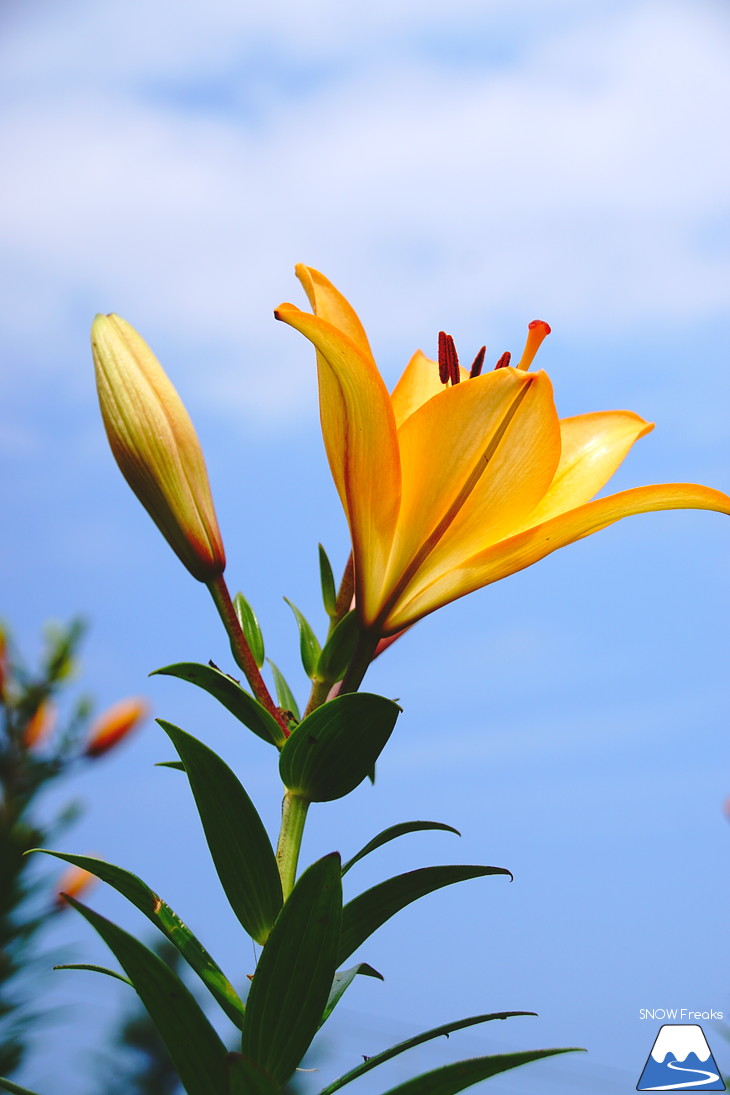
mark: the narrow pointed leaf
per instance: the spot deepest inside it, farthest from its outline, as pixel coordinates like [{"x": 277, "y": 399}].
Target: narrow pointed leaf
[
  {"x": 245, "y": 1077},
  {"x": 228, "y": 692},
  {"x": 450, "y": 1079},
  {"x": 418, "y": 1039},
  {"x": 250, "y": 626},
  {"x": 309, "y": 648},
  {"x": 238, "y": 841},
  {"x": 337, "y": 652},
  {"x": 96, "y": 969},
  {"x": 327, "y": 579},
  {"x": 176, "y": 764},
  {"x": 14, "y": 1089},
  {"x": 294, "y": 975},
  {"x": 284, "y": 693},
  {"x": 168, "y": 922},
  {"x": 336, "y": 747},
  {"x": 196, "y": 1050},
  {"x": 342, "y": 981},
  {"x": 367, "y": 912},
  {"x": 393, "y": 832}
]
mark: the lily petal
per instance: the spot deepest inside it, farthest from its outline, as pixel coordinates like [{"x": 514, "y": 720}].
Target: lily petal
[
  {"x": 593, "y": 446},
  {"x": 475, "y": 462},
  {"x": 533, "y": 544},
  {"x": 419, "y": 383},
  {"x": 329, "y": 304},
  {"x": 360, "y": 438}
]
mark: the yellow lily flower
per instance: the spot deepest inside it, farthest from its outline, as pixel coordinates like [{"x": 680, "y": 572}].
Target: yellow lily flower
[{"x": 447, "y": 489}]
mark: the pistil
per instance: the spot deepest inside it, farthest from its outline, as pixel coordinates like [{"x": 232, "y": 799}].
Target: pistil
[{"x": 537, "y": 332}]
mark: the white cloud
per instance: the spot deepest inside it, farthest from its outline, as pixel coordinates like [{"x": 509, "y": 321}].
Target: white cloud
[{"x": 582, "y": 178}]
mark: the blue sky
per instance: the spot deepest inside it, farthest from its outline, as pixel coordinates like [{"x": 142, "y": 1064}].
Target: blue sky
[{"x": 467, "y": 168}]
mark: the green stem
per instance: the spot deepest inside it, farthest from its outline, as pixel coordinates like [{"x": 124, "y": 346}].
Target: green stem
[
  {"x": 343, "y": 601},
  {"x": 361, "y": 659},
  {"x": 318, "y": 695},
  {"x": 293, "y": 816},
  {"x": 241, "y": 650}
]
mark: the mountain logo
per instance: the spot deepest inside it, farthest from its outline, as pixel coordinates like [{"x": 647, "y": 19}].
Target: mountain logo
[{"x": 680, "y": 1060}]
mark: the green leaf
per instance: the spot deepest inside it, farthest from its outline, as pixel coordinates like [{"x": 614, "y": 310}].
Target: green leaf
[
  {"x": 450, "y": 1079},
  {"x": 309, "y": 648},
  {"x": 410, "y": 1043},
  {"x": 291, "y": 986},
  {"x": 14, "y": 1089},
  {"x": 284, "y": 693},
  {"x": 245, "y": 1077},
  {"x": 327, "y": 580},
  {"x": 342, "y": 981},
  {"x": 96, "y": 969},
  {"x": 338, "y": 650},
  {"x": 250, "y": 627},
  {"x": 238, "y": 841},
  {"x": 228, "y": 692},
  {"x": 176, "y": 764},
  {"x": 196, "y": 1050},
  {"x": 391, "y": 834},
  {"x": 367, "y": 912},
  {"x": 336, "y": 747},
  {"x": 168, "y": 922}
]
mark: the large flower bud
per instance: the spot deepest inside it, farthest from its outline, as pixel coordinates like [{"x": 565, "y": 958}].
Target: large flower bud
[{"x": 155, "y": 445}]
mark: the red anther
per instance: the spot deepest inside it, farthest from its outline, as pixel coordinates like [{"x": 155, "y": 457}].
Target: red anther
[
  {"x": 476, "y": 367},
  {"x": 504, "y": 360},
  {"x": 448, "y": 360},
  {"x": 443, "y": 360}
]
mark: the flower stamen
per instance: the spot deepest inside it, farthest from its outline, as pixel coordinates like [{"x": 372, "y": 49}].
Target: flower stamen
[
  {"x": 476, "y": 367},
  {"x": 504, "y": 360},
  {"x": 448, "y": 360}
]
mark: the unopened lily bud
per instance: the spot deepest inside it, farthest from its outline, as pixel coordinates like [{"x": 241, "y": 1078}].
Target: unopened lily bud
[
  {"x": 39, "y": 725},
  {"x": 114, "y": 724},
  {"x": 73, "y": 882},
  {"x": 155, "y": 445}
]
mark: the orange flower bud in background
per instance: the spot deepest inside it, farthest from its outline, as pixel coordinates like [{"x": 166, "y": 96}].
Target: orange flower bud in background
[
  {"x": 73, "y": 882},
  {"x": 114, "y": 724},
  {"x": 40, "y": 725},
  {"x": 155, "y": 445}
]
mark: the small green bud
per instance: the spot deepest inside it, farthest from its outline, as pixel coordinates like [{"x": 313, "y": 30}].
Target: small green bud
[
  {"x": 250, "y": 627},
  {"x": 338, "y": 650}
]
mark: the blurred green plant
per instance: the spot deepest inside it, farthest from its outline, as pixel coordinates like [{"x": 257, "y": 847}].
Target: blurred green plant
[{"x": 39, "y": 745}]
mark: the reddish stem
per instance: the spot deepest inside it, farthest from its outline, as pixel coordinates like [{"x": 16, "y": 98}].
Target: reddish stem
[{"x": 241, "y": 650}]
